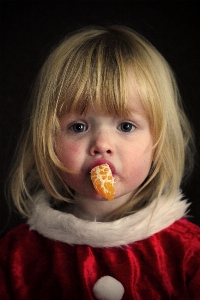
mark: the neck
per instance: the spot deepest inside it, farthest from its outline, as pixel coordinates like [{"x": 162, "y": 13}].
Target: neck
[{"x": 95, "y": 210}]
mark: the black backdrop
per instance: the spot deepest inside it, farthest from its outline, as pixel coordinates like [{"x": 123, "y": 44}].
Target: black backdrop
[{"x": 29, "y": 30}]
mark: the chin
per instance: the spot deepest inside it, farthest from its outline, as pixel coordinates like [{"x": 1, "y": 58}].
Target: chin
[{"x": 98, "y": 197}]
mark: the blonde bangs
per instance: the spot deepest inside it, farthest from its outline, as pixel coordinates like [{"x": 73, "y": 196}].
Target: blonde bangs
[{"x": 94, "y": 76}]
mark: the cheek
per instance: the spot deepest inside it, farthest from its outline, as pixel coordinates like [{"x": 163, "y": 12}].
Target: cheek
[
  {"x": 139, "y": 164},
  {"x": 71, "y": 159},
  {"x": 68, "y": 154}
]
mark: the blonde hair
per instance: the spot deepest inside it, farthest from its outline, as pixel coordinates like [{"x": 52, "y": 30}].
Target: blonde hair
[{"x": 89, "y": 68}]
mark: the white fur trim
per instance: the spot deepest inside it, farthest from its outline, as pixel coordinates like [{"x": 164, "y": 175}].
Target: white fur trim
[
  {"x": 67, "y": 228},
  {"x": 108, "y": 288}
]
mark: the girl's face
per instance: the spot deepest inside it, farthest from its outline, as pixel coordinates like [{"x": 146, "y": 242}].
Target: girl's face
[{"x": 124, "y": 143}]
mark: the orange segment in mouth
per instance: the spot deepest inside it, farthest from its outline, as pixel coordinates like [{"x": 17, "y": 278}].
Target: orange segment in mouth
[{"x": 103, "y": 181}]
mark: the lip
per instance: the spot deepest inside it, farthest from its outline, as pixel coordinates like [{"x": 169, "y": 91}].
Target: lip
[{"x": 102, "y": 161}]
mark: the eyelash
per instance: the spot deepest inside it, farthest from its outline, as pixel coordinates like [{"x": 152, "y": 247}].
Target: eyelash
[
  {"x": 72, "y": 127},
  {"x": 81, "y": 127},
  {"x": 133, "y": 127}
]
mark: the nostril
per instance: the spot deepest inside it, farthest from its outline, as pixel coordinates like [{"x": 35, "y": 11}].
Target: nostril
[
  {"x": 100, "y": 150},
  {"x": 97, "y": 152}
]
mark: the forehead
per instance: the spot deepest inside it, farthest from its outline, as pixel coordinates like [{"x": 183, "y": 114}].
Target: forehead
[
  {"x": 132, "y": 100},
  {"x": 109, "y": 97}
]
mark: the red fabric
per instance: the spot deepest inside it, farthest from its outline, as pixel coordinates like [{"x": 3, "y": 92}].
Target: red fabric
[{"x": 163, "y": 266}]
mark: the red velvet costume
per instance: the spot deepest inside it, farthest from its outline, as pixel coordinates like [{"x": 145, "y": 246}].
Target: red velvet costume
[{"x": 154, "y": 253}]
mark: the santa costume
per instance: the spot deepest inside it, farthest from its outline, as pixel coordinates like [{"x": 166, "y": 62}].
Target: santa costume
[{"x": 153, "y": 254}]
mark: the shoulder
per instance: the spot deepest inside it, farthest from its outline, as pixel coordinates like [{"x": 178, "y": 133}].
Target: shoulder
[
  {"x": 185, "y": 244},
  {"x": 185, "y": 229},
  {"x": 181, "y": 239},
  {"x": 19, "y": 233},
  {"x": 20, "y": 241}
]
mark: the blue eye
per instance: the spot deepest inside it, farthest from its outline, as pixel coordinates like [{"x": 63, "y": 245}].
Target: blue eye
[
  {"x": 126, "y": 127},
  {"x": 78, "y": 127}
]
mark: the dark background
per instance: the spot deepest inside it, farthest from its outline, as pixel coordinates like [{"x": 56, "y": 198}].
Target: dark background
[{"x": 29, "y": 30}]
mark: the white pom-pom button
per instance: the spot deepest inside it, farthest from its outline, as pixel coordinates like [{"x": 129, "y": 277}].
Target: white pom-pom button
[{"x": 108, "y": 288}]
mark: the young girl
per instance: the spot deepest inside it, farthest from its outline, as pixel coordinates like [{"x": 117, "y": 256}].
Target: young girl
[{"x": 104, "y": 97}]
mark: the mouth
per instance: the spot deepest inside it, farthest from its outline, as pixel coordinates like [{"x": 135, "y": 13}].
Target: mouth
[{"x": 102, "y": 161}]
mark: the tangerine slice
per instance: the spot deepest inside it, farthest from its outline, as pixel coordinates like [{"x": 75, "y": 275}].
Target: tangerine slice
[{"x": 103, "y": 181}]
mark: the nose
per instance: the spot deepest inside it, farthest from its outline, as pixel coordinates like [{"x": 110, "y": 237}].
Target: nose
[{"x": 101, "y": 145}]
